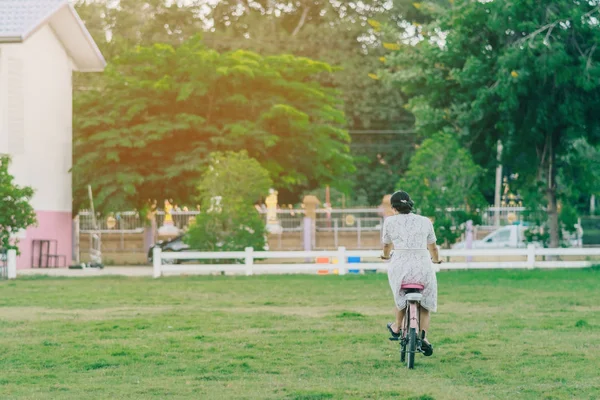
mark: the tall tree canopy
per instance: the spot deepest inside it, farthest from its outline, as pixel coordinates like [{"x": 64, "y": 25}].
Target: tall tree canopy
[
  {"x": 162, "y": 110},
  {"x": 342, "y": 34},
  {"x": 525, "y": 72},
  {"x": 122, "y": 24}
]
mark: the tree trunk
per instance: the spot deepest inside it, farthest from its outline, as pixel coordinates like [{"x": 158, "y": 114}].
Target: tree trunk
[
  {"x": 552, "y": 209},
  {"x": 553, "y": 224},
  {"x": 302, "y": 21}
]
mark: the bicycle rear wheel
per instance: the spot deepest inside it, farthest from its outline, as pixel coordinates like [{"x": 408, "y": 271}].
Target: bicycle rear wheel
[{"x": 411, "y": 348}]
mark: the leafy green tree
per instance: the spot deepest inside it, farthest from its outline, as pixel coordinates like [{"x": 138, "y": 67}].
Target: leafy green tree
[
  {"x": 338, "y": 198},
  {"x": 580, "y": 177},
  {"x": 380, "y": 160},
  {"x": 242, "y": 17},
  {"x": 16, "y": 212},
  {"x": 163, "y": 110},
  {"x": 442, "y": 175},
  {"x": 231, "y": 223},
  {"x": 342, "y": 35},
  {"x": 232, "y": 229},
  {"x": 119, "y": 26},
  {"x": 523, "y": 72},
  {"x": 236, "y": 178}
]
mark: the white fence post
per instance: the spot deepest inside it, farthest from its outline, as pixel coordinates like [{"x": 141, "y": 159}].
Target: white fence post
[
  {"x": 342, "y": 260},
  {"x": 11, "y": 264},
  {"x": 249, "y": 261},
  {"x": 157, "y": 262},
  {"x": 530, "y": 256}
]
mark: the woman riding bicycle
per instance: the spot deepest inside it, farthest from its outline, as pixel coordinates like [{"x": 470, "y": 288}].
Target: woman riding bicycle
[{"x": 413, "y": 240}]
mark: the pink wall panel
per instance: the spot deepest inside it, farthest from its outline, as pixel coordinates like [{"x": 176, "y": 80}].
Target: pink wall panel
[{"x": 52, "y": 225}]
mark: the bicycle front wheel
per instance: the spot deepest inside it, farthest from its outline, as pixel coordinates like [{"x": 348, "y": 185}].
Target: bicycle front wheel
[{"x": 411, "y": 348}]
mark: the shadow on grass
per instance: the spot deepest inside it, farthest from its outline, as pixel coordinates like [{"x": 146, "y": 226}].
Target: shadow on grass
[
  {"x": 350, "y": 315},
  {"x": 310, "y": 396}
]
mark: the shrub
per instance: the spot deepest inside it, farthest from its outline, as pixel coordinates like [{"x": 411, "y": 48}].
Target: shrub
[{"x": 16, "y": 212}]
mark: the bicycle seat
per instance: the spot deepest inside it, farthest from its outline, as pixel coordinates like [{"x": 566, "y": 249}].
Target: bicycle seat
[{"x": 412, "y": 286}]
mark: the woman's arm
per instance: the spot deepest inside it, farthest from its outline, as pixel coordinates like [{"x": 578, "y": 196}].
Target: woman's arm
[
  {"x": 432, "y": 245},
  {"x": 435, "y": 254},
  {"x": 387, "y": 249},
  {"x": 388, "y": 244}
]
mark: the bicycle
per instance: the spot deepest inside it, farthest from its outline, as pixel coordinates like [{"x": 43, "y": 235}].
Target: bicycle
[{"x": 410, "y": 343}]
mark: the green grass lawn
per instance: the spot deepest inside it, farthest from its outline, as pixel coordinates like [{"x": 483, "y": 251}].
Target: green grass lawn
[{"x": 497, "y": 335}]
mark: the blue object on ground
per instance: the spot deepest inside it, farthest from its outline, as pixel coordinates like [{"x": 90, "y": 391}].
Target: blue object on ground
[{"x": 354, "y": 260}]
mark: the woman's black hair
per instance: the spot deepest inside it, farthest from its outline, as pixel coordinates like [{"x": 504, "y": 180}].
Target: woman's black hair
[{"x": 402, "y": 202}]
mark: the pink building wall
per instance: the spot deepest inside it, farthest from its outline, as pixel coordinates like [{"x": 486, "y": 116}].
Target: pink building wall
[
  {"x": 52, "y": 225},
  {"x": 36, "y": 82}
]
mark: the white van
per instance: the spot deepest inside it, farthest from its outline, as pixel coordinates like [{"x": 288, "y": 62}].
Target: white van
[{"x": 512, "y": 236}]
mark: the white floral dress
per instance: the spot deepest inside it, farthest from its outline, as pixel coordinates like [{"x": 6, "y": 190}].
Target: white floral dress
[{"x": 411, "y": 262}]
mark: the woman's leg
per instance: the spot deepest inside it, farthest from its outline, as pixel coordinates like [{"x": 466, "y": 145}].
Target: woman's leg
[
  {"x": 424, "y": 319},
  {"x": 424, "y": 322},
  {"x": 399, "y": 320}
]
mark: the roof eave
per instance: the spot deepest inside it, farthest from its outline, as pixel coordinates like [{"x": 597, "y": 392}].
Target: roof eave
[
  {"x": 11, "y": 39},
  {"x": 91, "y": 42}
]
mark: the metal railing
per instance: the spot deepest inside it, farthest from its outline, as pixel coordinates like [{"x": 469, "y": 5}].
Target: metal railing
[
  {"x": 290, "y": 219},
  {"x": 355, "y": 228},
  {"x": 130, "y": 221},
  {"x": 126, "y": 221}
]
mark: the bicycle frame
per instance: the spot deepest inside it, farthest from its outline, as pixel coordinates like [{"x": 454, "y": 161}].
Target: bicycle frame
[{"x": 413, "y": 316}]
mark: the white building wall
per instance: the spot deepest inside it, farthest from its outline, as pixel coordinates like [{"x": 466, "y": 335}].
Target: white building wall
[{"x": 36, "y": 117}]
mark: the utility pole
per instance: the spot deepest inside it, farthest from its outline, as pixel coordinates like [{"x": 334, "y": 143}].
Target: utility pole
[{"x": 498, "y": 186}]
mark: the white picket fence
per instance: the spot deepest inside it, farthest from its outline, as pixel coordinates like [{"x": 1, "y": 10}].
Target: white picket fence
[{"x": 245, "y": 261}]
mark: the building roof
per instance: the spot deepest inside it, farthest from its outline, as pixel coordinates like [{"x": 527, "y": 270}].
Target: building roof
[{"x": 19, "y": 19}]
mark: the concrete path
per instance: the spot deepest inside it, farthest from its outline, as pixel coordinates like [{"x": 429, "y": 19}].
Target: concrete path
[{"x": 81, "y": 273}]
